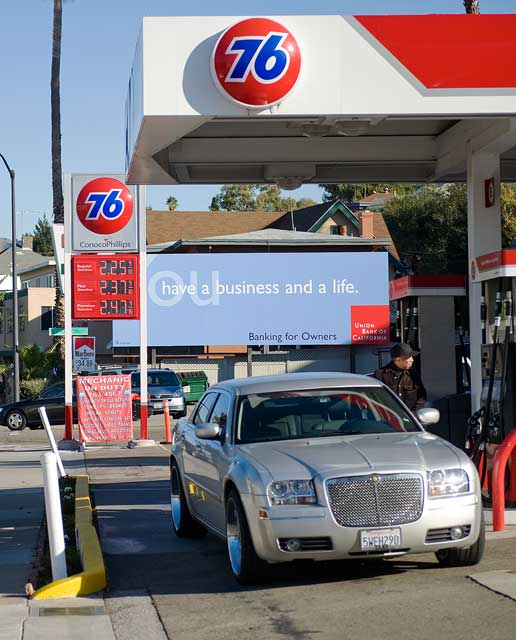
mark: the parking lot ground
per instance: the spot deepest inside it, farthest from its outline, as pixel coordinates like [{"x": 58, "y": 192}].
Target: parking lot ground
[{"x": 194, "y": 594}]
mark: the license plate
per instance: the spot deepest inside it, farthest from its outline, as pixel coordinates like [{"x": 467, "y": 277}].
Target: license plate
[
  {"x": 158, "y": 405},
  {"x": 377, "y": 539}
]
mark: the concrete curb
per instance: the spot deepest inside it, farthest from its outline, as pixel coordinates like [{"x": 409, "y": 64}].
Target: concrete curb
[{"x": 93, "y": 576}]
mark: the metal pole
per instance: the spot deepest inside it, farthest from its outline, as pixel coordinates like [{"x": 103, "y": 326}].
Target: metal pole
[
  {"x": 142, "y": 242},
  {"x": 16, "y": 357},
  {"x": 249, "y": 361},
  {"x": 56, "y": 542}
]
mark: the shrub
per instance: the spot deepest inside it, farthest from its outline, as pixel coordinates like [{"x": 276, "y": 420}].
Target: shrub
[{"x": 30, "y": 388}]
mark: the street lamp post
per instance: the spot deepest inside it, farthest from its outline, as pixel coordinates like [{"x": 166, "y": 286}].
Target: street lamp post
[{"x": 16, "y": 357}]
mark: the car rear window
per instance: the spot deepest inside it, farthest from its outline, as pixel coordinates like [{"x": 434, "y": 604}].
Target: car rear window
[
  {"x": 157, "y": 379},
  {"x": 318, "y": 413}
]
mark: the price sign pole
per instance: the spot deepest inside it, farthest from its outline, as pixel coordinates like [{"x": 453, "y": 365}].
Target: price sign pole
[
  {"x": 68, "y": 434},
  {"x": 103, "y": 222},
  {"x": 142, "y": 233}
]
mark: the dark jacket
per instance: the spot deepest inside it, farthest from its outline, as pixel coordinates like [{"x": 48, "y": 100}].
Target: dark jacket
[{"x": 405, "y": 383}]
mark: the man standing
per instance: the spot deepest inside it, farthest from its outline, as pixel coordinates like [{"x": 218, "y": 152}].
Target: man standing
[{"x": 399, "y": 376}]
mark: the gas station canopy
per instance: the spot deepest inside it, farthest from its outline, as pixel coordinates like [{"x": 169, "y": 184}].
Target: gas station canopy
[{"x": 314, "y": 99}]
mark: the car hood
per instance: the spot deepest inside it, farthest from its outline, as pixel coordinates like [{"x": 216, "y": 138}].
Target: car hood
[
  {"x": 18, "y": 405},
  {"x": 337, "y": 456}
]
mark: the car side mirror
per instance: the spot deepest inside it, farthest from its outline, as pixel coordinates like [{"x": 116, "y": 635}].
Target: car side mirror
[
  {"x": 428, "y": 416},
  {"x": 208, "y": 431}
]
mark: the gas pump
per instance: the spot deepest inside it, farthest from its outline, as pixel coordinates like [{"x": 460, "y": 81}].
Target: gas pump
[
  {"x": 496, "y": 416},
  {"x": 425, "y": 310}
]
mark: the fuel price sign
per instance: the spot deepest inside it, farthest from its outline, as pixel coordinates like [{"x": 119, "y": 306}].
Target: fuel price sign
[{"x": 105, "y": 287}]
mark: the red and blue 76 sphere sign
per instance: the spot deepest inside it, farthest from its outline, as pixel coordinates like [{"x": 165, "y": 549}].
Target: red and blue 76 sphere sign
[
  {"x": 104, "y": 205},
  {"x": 256, "y": 63}
]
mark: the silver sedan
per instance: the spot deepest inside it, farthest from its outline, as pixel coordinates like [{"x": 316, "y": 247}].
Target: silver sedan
[{"x": 321, "y": 466}]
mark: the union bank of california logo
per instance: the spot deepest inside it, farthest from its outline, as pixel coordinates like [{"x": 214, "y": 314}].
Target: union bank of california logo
[{"x": 256, "y": 63}]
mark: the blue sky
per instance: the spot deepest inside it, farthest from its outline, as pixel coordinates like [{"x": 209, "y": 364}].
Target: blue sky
[{"x": 98, "y": 43}]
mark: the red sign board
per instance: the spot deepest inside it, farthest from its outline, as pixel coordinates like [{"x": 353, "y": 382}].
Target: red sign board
[
  {"x": 370, "y": 324},
  {"x": 489, "y": 193},
  {"x": 105, "y": 287},
  {"x": 104, "y": 408}
]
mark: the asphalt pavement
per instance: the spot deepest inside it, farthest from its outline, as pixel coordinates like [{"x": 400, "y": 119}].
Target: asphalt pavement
[{"x": 165, "y": 588}]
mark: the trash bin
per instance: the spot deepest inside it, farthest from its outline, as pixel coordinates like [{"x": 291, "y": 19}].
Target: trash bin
[{"x": 194, "y": 384}]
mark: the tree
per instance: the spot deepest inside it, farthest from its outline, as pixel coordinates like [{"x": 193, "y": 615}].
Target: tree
[
  {"x": 472, "y": 6},
  {"x": 55, "y": 116},
  {"x": 354, "y": 192},
  {"x": 255, "y": 197},
  {"x": 172, "y": 203},
  {"x": 43, "y": 237},
  {"x": 429, "y": 227}
]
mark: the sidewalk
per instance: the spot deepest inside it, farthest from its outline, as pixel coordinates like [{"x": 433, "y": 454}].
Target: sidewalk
[
  {"x": 130, "y": 489},
  {"x": 21, "y": 515}
]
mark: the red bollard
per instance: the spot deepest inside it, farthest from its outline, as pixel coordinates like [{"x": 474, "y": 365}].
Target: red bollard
[
  {"x": 498, "y": 480},
  {"x": 166, "y": 414},
  {"x": 144, "y": 412},
  {"x": 68, "y": 434}
]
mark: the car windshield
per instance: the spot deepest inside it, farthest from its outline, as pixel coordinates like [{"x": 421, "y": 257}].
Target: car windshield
[
  {"x": 157, "y": 379},
  {"x": 318, "y": 413}
]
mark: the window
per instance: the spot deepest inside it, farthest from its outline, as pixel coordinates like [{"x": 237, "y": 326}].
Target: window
[
  {"x": 219, "y": 415},
  {"x": 38, "y": 282},
  {"x": 335, "y": 229},
  {"x": 204, "y": 408},
  {"x": 162, "y": 378},
  {"x": 25, "y": 284},
  {"x": 47, "y": 318},
  {"x": 317, "y": 413},
  {"x": 54, "y": 391}
]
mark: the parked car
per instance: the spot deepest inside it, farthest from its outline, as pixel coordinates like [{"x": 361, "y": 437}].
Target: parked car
[
  {"x": 18, "y": 415},
  {"x": 321, "y": 466},
  {"x": 162, "y": 384}
]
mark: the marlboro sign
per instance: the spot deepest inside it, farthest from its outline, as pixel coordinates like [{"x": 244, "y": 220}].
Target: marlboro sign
[{"x": 83, "y": 353}]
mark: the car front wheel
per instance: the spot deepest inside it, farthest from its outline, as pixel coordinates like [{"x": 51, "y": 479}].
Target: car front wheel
[
  {"x": 182, "y": 521},
  {"x": 247, "y": 567},
  {"x": 464, "y": 557},
  {"x": 16, "y": 420}
]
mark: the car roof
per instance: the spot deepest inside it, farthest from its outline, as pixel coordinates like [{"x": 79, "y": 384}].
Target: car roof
[
  {"x": 153, "y": 371},
  {"x": 297, "y": 382}
]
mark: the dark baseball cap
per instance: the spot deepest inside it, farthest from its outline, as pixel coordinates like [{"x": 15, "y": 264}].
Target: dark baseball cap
[{"x": 403, "y": 350}]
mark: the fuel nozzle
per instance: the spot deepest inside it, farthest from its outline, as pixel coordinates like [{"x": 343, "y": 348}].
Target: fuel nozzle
[
  {"x": 483, "y": 312},
  {"x": 498, "y": 309},
  {"x": 508, "y": 310},
  {"x": 493, "y": 428}
]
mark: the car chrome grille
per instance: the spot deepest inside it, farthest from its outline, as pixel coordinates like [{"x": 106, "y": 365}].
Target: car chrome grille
[{"x": 376, "y": 500}]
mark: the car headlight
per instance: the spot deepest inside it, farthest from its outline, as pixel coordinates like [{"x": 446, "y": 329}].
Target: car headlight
[
  {"x": 446, "y": 482},
  {"x": 291, "y": 492},
  {"x": 177, "y": 394}
]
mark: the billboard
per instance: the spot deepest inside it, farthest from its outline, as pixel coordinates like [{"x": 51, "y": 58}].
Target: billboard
[
  {"x": 262, "y": 298},
  {"x": 104, "y": 408}
]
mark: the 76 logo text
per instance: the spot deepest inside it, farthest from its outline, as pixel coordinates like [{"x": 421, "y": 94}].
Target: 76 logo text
[
  {"x": 262, "y": 56},
  {"x": 106, "y": 204}
]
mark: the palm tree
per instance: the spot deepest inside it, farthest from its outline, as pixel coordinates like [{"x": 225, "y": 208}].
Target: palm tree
[
  {"x": 472, "y": 6},
  {"x": 57, "y": 185},
  {"x": 172, "y": 203}
]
